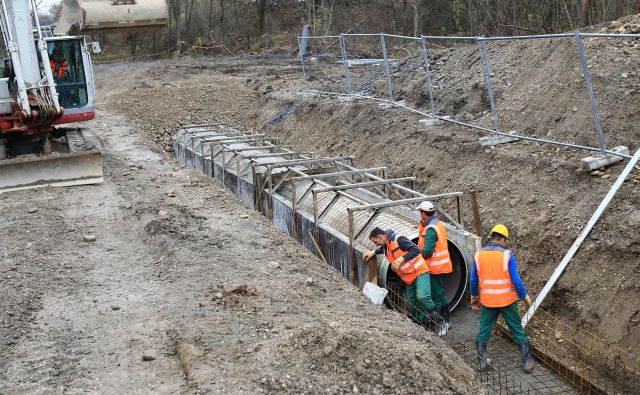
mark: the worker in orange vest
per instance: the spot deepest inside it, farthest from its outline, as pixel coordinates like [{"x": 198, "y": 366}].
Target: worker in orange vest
[
  {"x": 409, "y": 265},
  {"x": 496, "y": 285},
  {"x": 432, "y": 241},
  {"x": 58, "y": 63}
]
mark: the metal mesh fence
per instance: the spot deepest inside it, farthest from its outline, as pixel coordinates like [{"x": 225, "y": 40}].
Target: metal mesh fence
[
  {"x": 614, "y": 67},
  {"x": 322, "y": 65},
  {"x": 539, "y": 88},
  {"x": 550, "y": 103}
]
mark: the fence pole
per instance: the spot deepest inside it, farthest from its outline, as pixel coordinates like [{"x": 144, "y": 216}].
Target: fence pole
[
  {"x": 486, "y": 70},
  {"x": 343, "y": 50},
  {"x": 425, "y": 54},
  {"x": 589, "y": 86},
  {"x": 304, "y": 72},
  {"x": 386, "y": 67}
]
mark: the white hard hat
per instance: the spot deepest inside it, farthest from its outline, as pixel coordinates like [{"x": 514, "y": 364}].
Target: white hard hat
[{"x": 426, "y": 206}]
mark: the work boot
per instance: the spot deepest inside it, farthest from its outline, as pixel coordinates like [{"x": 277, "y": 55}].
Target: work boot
[
  {"x": 437, "y": 324},
  {"x": 525, "y": 355},
  {"x": 446, "y": 314},
  {"x": 483, "y": 360}
]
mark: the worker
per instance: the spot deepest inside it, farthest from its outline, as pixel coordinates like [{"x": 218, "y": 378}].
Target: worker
[
  {"x": 58, "y": 63},
  {"x": 432, "y": 241},
  {"x": 409, "y": 265},
  {"x": 495, "y": 279}
]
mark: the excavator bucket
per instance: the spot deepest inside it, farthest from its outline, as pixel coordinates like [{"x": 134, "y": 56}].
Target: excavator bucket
[{"x": 95, "y": 16}]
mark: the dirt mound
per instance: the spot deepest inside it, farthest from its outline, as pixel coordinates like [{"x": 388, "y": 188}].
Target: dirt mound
[{"x": 627, "y": 25}]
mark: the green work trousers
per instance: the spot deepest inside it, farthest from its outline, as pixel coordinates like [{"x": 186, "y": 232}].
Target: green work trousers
[
  {"x": 419, "y": 297},
  {"x": 437, "y": 291},
  {"x": 510, "y": 313}
]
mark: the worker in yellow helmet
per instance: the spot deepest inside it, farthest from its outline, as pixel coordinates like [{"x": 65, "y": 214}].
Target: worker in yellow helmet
[{"x": 496, "y": 285}]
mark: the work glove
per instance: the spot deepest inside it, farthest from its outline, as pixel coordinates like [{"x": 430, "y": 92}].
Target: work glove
[
  {"x": 527, "y": 301},
  {"x": 475, "y": 303},
  {"x": 368, "y": 255},
  {"x": 396, "y": 264}
]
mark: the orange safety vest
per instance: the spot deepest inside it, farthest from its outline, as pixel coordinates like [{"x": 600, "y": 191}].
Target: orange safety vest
[
  {"x": 409, "y": 270},
  {"x": 440, "y": 261},
  {"x": 496, "y": 287},
  {"x": 62, "y": 68}
]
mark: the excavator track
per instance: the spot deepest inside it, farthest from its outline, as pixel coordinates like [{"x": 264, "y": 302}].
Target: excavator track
[{"x": 76, "y": 162}]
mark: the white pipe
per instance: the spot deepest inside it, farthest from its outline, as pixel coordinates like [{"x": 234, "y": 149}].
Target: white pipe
[
  {"x": 44, "y": 56},
  {"x": 576, "y": 244}
]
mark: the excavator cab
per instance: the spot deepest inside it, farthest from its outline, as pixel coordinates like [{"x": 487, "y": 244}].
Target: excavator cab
[{"x": 70, "y": 63}]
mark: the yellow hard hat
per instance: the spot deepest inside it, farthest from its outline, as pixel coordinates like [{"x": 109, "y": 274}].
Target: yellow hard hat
[{"x": 501, "y": 230}]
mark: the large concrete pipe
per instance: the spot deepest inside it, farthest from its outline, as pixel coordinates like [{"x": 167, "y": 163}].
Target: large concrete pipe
[{"x": 94, "y": 16}]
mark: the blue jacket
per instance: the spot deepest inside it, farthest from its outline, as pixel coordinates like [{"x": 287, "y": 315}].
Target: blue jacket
[
  {"x": 513, "y": 273},
  {"x": 405, "y": 244}
]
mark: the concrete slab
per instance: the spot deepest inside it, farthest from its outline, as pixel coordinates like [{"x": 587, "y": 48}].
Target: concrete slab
[
  {"x": 367, "y": 62},
  {"x": 388, "y": 106},
  {"x": 307, "y": 94},
  {"x": 497, "y": 139},
  {"x": 591, "y": 163},
  {"x": 431, "y": 122},
  {"x": 346, "y": 99}
]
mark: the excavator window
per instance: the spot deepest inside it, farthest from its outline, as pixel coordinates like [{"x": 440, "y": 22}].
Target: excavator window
[{"x": 65, "y": 60}]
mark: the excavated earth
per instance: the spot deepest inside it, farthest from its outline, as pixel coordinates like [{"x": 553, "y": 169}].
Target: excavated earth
[
  {"x": 159, "y": 280},
  {"x": 539, "y": 191}
]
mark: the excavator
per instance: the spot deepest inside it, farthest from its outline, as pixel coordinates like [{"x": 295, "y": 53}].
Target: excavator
[{"x": 47, "y": 88}]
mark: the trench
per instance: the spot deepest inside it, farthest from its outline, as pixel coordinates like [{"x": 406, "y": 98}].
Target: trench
[{"x": 330, "y": 206}]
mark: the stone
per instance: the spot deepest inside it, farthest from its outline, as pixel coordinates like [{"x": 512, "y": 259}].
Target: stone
[
  {"x": 170, "y": 193},
  {"x": 218, "y": 295},
  {"x": 273, "y": 265},
  {"x": 148, "y": 357},
  {"x": 115, "y": 308},
  {"x": 163, "y": 213},
  {"x": 89, "y": 238},
  {"x": 624, "y": 75},
  {"x": 309, "y": 281},
  {"x": 33, "y": 210}
]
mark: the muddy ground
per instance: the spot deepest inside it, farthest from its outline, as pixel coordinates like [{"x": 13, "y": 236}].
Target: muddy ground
[
  {"x": 539, "y": 191},
  {"x": 159, "y": 280}
]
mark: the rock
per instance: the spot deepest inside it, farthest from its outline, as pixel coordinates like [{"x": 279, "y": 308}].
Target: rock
[
  {"x": 309, "y": 281},
  {"x": 606, "y": 175},
  {"x": 574, "y": 109},
  {"x": 327, "y": 350},
  {"x": 273, "y": 265},
  {"x": 32, "y": 210},
  {"x": 218, "y": 295},
  {"x": 624, "y": 75},
  {"x": 163, "y": 214},
  {"x": 244, "y": 216},
  {"x": 89, "y": 238},
  {"x": 170, "y": 193},
  {"x": 115, "y": 308},
  {"x": 148, "y": 357},
  {"x": 557, "y": 335}
]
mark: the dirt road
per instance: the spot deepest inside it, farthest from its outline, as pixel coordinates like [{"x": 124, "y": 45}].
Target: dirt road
[{"x": 185, "y": 290}]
